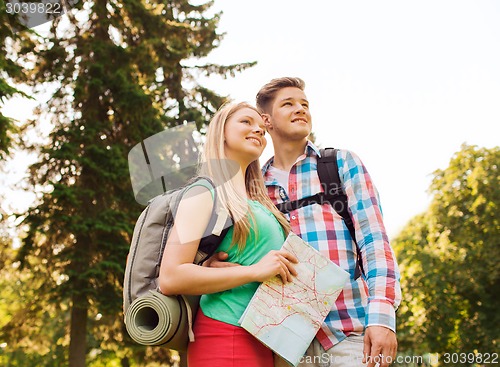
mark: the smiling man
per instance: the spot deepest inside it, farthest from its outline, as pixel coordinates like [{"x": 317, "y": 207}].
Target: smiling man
[{"x": 361, "y": 327}]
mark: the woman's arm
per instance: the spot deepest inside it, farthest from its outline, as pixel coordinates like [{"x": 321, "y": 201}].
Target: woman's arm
[{"x": 178, "y": 274}]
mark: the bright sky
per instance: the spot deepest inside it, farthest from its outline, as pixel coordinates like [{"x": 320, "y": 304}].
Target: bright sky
[{"x": 401, "y": 83}]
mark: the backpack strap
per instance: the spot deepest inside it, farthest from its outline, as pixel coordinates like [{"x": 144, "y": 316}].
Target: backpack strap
[
  {"x": 333, "y": 193},
  {"x": 190, "y": 318},
  {"x": 328, "y": 172},
  {"x": 218, "y": 226}
]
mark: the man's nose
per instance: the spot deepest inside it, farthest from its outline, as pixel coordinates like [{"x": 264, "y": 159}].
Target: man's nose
[{"x": 300, "y": 108}]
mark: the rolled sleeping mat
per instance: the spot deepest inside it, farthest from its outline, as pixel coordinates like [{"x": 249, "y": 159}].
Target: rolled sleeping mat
[{"x": 156, "y": 319}]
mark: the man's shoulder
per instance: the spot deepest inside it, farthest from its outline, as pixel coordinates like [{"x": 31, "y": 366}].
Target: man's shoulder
[{"x": 343, "y": 154}]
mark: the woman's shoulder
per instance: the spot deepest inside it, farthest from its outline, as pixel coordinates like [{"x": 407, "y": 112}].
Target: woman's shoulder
[{"x": 200, "y": 186}]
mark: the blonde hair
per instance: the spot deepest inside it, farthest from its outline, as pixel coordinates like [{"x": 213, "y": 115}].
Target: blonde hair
[{"x": 221, "y": 170}]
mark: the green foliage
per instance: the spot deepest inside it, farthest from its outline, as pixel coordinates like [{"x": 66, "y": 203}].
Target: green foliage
[
  {"x": 13, "y": 46},
  {"x": 121, "y": 75},
  {"x": 29, "y": 329},
  {"x": 449, "y": 260}
]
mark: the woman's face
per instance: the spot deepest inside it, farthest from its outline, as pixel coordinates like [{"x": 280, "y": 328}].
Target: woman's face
[{"x": 244, "y": 139}]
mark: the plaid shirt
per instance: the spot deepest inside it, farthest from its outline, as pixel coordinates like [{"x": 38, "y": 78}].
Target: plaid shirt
[{"x": 371, "y": 299}]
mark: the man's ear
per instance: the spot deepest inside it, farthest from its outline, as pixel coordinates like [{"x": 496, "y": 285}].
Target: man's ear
[{"x": 267, "y": 121}]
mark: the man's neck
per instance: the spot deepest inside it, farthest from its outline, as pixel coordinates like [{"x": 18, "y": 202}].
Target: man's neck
[{"x": 286, "y": 154}]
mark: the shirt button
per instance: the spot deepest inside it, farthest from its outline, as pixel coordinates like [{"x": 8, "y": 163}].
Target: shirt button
[{"x": 294, "y": 217}]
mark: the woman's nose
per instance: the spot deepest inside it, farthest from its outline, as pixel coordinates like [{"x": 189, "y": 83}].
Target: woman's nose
[{"x": 260, "y": 130}]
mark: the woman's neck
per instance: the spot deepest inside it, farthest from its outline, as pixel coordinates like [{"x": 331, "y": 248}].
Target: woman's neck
[{"x": 239, "y": 183}]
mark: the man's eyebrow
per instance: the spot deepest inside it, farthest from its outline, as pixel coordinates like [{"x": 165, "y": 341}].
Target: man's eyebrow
[{"x": 291, "y": 98}]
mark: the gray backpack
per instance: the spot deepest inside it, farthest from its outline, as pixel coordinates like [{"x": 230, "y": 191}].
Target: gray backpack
[{"x": 152, "y": 318}]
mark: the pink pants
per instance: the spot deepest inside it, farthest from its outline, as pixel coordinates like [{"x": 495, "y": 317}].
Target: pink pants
[{"x": 219, "y": 344}]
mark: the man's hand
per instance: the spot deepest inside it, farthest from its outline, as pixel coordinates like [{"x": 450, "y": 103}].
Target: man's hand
[
  {"x": 380, "y": 345},
  {"x": 218, "y": 260}
]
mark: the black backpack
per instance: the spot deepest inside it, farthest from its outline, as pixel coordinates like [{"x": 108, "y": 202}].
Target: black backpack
[{"x": 328, "y": 173}]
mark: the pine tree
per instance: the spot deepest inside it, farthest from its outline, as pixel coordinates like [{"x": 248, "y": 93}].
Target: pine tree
[
  {"x": 14, "y": 47},
  {"x": 121, "y": 74}
]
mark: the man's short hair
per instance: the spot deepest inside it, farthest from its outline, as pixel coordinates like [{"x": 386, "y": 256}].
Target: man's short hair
[{"x": 267, "y": 93}]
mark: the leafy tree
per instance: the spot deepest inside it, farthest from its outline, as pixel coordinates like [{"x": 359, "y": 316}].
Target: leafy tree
[
  {"x": 121, "y": 74},
  {"x": 29, "y": 326},
  {"x": 14, "y": 47},
  {"x": 449, "y": 259}
]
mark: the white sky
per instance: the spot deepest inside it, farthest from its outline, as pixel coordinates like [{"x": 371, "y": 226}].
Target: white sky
[{"x": 401, "y": 83}]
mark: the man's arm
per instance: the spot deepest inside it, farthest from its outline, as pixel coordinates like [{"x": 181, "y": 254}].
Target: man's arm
[{"x": 379, "y": 261}]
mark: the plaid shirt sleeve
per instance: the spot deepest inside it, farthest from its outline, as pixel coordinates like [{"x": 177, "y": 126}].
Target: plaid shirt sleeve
[{"x": 379, "y": 262}]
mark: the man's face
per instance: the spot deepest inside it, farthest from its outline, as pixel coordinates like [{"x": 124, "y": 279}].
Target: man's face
[{"x": 289, "y": 116}]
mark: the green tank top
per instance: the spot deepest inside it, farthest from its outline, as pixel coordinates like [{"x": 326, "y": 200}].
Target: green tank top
[{"x": 229, "y": 305}]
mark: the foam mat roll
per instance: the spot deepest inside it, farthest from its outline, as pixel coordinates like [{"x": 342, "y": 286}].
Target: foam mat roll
[{"x": 156, "y": 319}]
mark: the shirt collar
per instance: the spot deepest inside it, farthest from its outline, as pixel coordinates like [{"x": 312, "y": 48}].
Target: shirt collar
[
  {"x": 310, "y": 147},
  {"x": 308, "y": 151}
]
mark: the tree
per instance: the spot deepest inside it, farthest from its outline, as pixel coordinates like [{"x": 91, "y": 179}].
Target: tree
[
  {"x": 121, "y": 73},
  {"x": 14, "y": 46},
  {"x": 449, "y": 260},
  {"x": 29, "y": 327}
]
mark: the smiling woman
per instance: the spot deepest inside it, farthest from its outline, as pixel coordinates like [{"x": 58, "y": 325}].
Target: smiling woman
[{"x": 235, "y": 136}]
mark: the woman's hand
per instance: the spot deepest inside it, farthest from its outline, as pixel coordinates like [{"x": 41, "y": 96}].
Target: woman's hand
[{"x": 275, "y": 263}]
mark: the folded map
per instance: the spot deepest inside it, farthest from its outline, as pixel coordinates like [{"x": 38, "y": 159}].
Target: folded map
[{"x": 286, "y": 317}]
